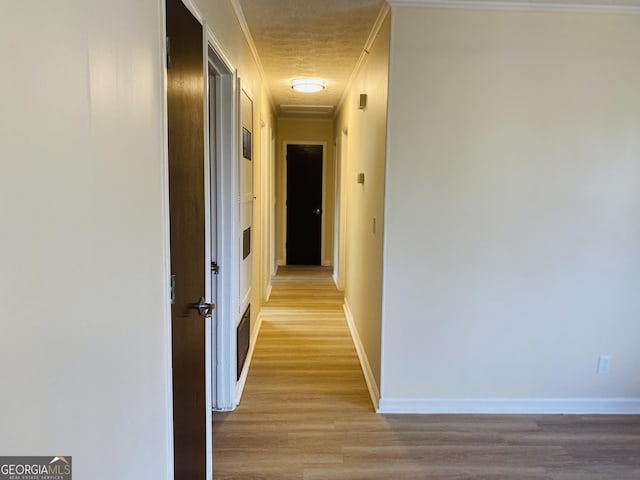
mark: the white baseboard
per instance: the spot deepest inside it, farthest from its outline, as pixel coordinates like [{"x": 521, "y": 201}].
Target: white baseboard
[
  {"x": 374, "y": 392},
  {"x": 579, "y": 406},
  {"x": 268, "y": 292},
  {"x": 327, "y": 263},
  {"x": 245, "y": 370},
  {"x": 334, "y": 276}
]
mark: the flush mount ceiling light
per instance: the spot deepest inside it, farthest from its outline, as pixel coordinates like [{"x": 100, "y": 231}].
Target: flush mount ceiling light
[{"x": 308, "y": 85}]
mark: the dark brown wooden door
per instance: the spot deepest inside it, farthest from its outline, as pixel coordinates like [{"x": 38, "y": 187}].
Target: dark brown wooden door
[
  {"x": 185, "y": 108},
  {"x": 304, "y": 204}
]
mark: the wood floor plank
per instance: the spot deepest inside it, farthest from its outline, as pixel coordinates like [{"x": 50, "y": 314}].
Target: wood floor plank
[{"x": 306, "y": 415}]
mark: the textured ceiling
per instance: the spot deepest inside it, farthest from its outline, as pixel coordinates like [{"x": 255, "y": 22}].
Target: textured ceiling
[
  {"x": 325, "y": 39},
  {"x": 309, "y": 38}
]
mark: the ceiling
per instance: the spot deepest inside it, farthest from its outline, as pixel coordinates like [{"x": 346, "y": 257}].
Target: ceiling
[
  {"x": 309, "y": 38},
  {"x": 326, "y": 39}
]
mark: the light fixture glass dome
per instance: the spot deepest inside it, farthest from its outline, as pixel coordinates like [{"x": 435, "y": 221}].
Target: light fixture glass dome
[{"x": 308, "y": 85}]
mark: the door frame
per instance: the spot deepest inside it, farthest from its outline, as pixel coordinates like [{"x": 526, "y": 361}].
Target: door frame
[
  {"x": 323, "y": 223},
  {"x": 223, "y": 382},
  {"x": 273, "y": 204},
  {"x": 167, "y": 234},
  {"x": 227, "y": 177},
  {"x": 341, "y": 209},
  {"x": 266, "y": 213}
]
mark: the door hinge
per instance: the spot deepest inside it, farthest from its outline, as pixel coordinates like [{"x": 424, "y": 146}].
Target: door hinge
[
  {"x": 168, "y": 50},
  {"x": 172, "y": 289},
  {"x": 215, "y": 268}
]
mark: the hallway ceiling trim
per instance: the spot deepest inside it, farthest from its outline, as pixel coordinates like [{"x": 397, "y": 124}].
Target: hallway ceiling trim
[
  {"x": 330, "y": 39},
  {"x": 587, "y": 6},
  {"x": 323, "y": 39},
  {"x": 306, "y": 110},
  {"x": 237, "y": 8},
  {"x": 365, "y": 51}
]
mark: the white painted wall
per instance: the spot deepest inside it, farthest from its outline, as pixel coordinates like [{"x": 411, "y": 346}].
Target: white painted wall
[
  {"x": 84, "y": 348},
  {"x": 366, "y": 153},
  {"x": 512, "y": 207}
]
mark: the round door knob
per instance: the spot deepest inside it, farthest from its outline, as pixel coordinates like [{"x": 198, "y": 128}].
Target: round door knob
[{"x": 204, "y": 308}]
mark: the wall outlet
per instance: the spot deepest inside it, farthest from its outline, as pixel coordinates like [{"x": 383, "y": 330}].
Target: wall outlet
[{"x": 604, "y": 364}]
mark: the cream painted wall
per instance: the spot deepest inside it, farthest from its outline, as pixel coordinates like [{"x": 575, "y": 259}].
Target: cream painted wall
[
  {"x": 85, "y": 343},
  {"x": 305, "y": 130},
  {"x": 512, "y": 208},
  {"x": 366, "y": 147}
]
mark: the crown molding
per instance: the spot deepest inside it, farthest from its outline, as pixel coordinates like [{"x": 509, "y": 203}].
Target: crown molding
[
  {"x": 195, "y": 11},
  {"x": 244, "y": 26},
  {"x": 382, "y": 14},
  {"x": 523, "y": 5}
]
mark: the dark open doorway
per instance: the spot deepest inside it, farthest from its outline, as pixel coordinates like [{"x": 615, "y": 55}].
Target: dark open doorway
[{"x": 304, "y": 204}]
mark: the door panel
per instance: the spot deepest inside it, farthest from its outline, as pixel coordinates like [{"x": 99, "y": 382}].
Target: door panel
[
  {"x": 213, "y": 175},
  {"x": 304, "y": 204},
  {"x": 185, "y": 108}
]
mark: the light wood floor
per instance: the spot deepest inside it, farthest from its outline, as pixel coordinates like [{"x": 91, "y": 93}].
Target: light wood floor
[{"x": 306, "y": 414}]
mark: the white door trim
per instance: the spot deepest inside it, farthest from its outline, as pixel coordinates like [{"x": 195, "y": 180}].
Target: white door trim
[
  {"x": 207, "y": 253},
  {"x": 265, "y": 203},
  {"x": 166, "y": 249},
  {"x": 341, "y": 194},
  {"x": 224, "y": 335},
  {"x": 273, "y": 205}
]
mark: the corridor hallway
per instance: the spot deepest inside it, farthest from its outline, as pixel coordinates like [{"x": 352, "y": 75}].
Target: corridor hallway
[
  {"x": 305, "y": 395},
  {"x": 306, "y": 415}
]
